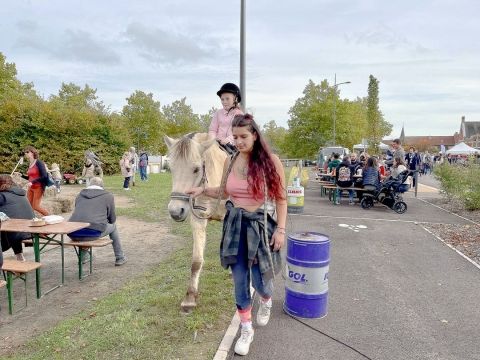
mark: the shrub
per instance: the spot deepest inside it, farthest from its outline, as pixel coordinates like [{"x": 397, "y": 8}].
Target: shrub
[{"x": 460, "y": 182}]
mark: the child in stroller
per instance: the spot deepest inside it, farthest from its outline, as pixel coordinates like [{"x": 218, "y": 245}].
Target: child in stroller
[{"x": 389, "y": 193}]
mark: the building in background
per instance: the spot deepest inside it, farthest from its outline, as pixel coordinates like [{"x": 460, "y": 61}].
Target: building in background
[
  {"x": 469, "y": 134},
  {"x": 157, "y": 163}
]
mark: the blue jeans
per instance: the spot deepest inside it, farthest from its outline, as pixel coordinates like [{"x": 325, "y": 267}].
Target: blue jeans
[
  {"x": 143, "y": 172},
  {"x": 242, "y": 274},
  {"x": 350, "y": 194},
  {"x": 112, "y": 232}
]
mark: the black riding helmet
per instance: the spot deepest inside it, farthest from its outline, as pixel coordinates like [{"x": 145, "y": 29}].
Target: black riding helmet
[{"x": 230, "y": 88}]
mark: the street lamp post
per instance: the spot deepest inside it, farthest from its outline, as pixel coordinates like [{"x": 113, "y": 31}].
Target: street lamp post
[
  {"x": 243, "y": 90},
  {"x": 335, "y": 86}
]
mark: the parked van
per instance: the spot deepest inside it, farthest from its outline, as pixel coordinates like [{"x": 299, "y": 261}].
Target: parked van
[{"x": 325, "y": 153}]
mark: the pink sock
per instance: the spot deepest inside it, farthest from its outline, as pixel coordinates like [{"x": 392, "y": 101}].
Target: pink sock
[{"x": 245, "y": 314}]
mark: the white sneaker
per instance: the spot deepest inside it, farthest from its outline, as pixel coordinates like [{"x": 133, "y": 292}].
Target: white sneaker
[
  {"x": 127, "y": 189},
  {"x": 242, "y": 345},
  {"x": 263, "y": 314}
]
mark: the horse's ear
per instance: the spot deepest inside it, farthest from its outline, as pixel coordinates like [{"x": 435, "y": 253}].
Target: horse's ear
[
  {"x": 207, "y": 144},
  {"x": 169, "y": 141}
]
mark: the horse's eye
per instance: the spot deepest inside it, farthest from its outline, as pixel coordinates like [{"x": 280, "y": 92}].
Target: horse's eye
[{"x": 196, "y": 170}]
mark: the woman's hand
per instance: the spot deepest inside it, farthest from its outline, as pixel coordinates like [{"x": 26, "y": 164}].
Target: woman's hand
[
  {"x": 278, "y": 239},
  {"x": 195, "y": 191}
]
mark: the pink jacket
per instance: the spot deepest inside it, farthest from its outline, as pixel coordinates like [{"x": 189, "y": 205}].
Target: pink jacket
[{"x": 221, "y": 125}]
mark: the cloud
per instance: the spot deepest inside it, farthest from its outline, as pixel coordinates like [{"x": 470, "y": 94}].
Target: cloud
[
  {"x": 384, "y": 37},
  {"x": 161, "y": 46},
  {"x": 81, "y": 46},
  {"x": 28, "y": 26},
  {"x": 75, "y": 45}
]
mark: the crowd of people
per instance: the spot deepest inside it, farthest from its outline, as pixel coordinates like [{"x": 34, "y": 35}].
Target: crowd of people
[{"x": 358, "y": 170}]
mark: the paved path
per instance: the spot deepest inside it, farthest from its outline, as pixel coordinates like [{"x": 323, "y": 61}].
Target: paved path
[{"x": 395, "y": 291}]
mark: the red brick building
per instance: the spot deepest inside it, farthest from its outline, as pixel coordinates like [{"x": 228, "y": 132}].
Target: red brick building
[{"x": 469, "y": 133}]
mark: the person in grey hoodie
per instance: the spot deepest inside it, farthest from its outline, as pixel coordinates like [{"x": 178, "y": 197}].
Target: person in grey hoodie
[
  {"x": 96, "y": 206},
  {"x": 397, "y": 152},
  {"x": 14, "y": 203}
]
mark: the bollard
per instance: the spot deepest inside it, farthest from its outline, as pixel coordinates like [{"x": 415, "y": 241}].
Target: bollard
[{"x": 306, "y": 287}]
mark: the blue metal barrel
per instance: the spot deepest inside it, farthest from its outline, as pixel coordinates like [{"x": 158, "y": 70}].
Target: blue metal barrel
[{"x": 306, "y": 287}]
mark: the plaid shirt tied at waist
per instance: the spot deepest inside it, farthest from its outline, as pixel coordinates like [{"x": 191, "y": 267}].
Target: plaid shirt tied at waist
[{"x": 232, "y": 226}]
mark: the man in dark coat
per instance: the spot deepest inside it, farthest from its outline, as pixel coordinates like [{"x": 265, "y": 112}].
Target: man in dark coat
[{"x": 14, "y": 203}]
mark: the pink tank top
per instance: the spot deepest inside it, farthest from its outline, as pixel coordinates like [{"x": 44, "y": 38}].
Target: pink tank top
[{"x": 237, "y": 189}]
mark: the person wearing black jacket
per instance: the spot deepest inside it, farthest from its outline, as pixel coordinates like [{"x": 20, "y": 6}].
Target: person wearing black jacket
[
  {"x": 413, "y": 161},
  {"x": 15, "y": 205},
  {"x": 344, "y": 177},
  {"x": 37, "y": 177}
]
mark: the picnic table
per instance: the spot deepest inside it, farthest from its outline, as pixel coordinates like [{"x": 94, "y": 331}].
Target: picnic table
[{"x": 48, "y": 234}]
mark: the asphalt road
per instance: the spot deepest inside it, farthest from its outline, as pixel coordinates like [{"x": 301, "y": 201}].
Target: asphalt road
[{"x": 395, "y": 291}]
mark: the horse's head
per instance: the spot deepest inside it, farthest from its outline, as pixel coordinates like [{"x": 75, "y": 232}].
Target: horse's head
[{"x": 188, "y": 170}]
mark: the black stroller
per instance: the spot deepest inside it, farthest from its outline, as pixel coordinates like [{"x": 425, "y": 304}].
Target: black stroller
[{"x": 389, "y": 193}]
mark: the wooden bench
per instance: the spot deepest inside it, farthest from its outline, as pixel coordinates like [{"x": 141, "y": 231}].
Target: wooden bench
[
  {"x": 86, "y": 245},
  {"x": 345, "y": 188},
  {"x": 14, "y": 269},
  {"x": 323, "y": 185},
  {"x": 330, "y": 188}
]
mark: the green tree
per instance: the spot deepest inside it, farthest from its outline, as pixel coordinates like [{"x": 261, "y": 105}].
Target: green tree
[
  {"x": 275, "y": 136},
  {"x": 377, "y": 127},
  {"x": 206, "y": 119},
  {"x": 61, "y": 128},
  {"x": 72, "y": 95},
  {"x": 311, "y": 121},
  {"x": 180, "y": 118},
  {"x": 144, "y": 121}
]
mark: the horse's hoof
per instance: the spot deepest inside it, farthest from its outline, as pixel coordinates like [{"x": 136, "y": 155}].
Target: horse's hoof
[{"x": 187, "y": 308}]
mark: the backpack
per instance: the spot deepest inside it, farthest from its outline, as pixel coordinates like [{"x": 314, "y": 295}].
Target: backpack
[{"x": 344, "y": 174}]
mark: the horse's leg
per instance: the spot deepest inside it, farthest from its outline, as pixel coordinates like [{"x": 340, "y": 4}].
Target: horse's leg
[{"x": 199, "y": 238}]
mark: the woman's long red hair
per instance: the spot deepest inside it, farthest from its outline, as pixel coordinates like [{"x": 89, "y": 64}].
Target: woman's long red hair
[{"x": 260, "y": 163}]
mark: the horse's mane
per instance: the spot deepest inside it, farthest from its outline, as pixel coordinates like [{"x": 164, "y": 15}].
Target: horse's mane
[{"x": 183, "y": 149}]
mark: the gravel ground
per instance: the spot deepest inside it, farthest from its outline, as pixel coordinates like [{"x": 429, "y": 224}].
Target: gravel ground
[{"x": 464, "y": 238}]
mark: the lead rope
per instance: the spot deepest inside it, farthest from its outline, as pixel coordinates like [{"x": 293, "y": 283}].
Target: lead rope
[
  {"x": 220, "y": 192},
  {"x": 265, "y": 226}
]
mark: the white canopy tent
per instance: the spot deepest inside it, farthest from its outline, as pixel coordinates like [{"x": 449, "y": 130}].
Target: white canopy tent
[
  {"x": 381, "y": 146},
  {"x": 461, "y": 149}
]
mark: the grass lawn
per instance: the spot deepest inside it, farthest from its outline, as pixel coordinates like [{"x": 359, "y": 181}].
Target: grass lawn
[{"x": 143, "y": 319}]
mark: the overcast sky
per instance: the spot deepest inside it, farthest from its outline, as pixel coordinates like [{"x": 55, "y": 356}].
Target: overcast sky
[{"x": 424, "y": 53}]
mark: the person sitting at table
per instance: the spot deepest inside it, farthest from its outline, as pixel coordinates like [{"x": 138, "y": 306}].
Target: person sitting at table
[
  {"x": 397, "y": 168},
  {"x": 371, "y": 175},
  {"x": 14, "y": 203},
  {"x": 97, "y": 207},
  {"x": 344, "y": 177},
  {"x": 334, "y": 163},
  {"x": 353, "y": 159}
]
